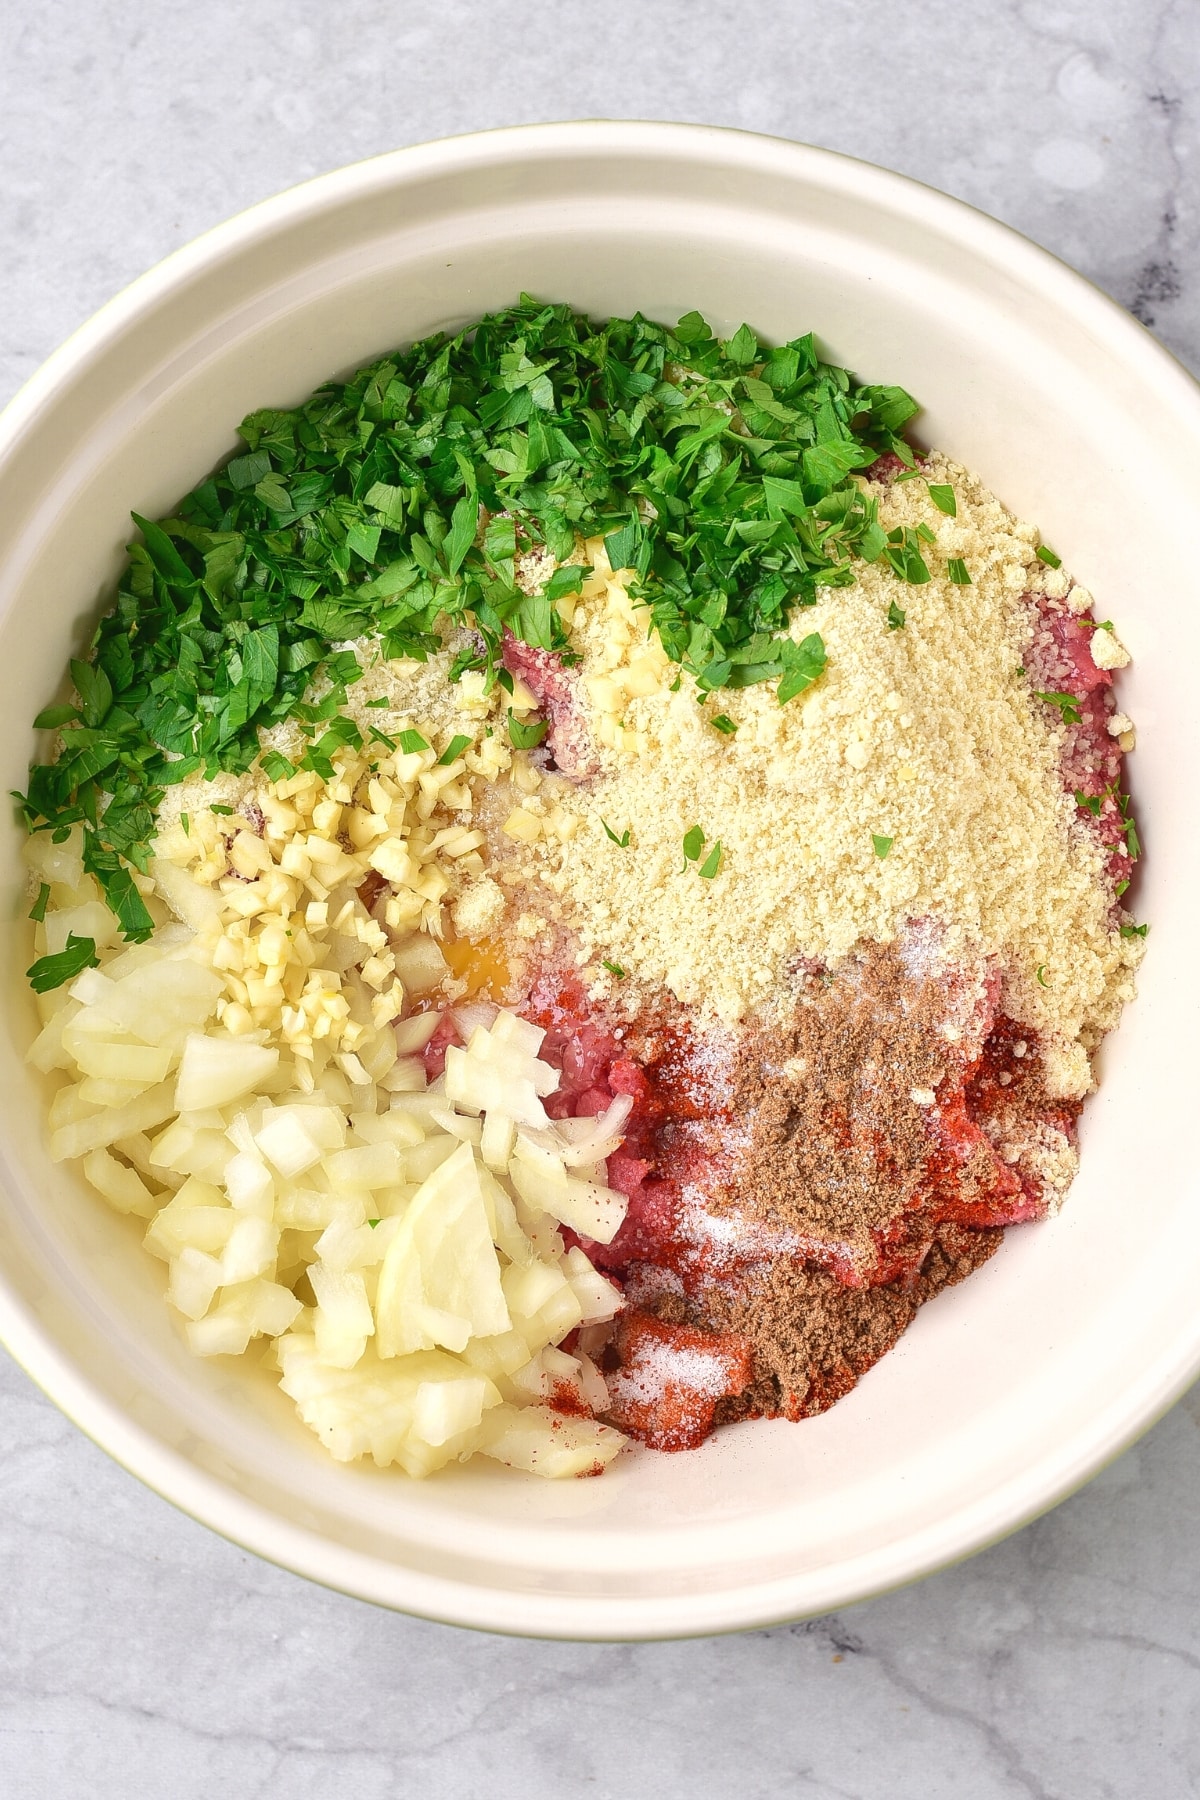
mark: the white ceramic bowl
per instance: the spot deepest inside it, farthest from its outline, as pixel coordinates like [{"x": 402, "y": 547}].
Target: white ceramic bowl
[{"x": 1008, "y": 1391}]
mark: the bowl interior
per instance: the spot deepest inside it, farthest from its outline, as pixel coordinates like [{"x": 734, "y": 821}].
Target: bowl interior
[{"x": 1008, "y": 1390}]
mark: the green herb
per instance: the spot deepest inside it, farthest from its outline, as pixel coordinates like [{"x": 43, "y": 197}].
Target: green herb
[
  {"x": 225, "y": 811},
  {"x": 926, "y": 533},
  {"x": 623, "y": 841},
  {"x": 802, "y": 664},
  {"x": 1046, "y": 555},
  {"x": 381, "y": 737},
  {"x": 1101, "y": 624},
  {"x": 38, "y": 909},
  {"x": 895, "y": 617},
  {"x": 52, "y": 717},
  {"x": 721, "y": 473},
  {"x": 693, "y": 844},
  {"x": 453, "y": 751},
  {"x": 1133, "y": 843},
  {"x": 1040, "y": 972},
  {"x": 186, "y": 822},
  {"x": 1090, "y": 803},
  {"x": 711, "y": 863},
  {"x": 276, "y": 766},
  {"x": 372, "y": 1223},
  {"x": 526, "y": 737},
  {"x": 411, "y": 742},
  {"x": 902, "y": 550},
  {"x": 723, "y": 723},
  {"x": 615, "y": 969},
  {"x": 943, "y": 498},
  {"x": 382, "y": 703},
  {"x": 1134, "y": 931},
  {"x": 1120, "y": 888},
  {"x": 958, "y": 573},
  {"x": 52, "y": 971},
  {"x": 1067, "y": 705},
  {"x": 882, "y": 845}
]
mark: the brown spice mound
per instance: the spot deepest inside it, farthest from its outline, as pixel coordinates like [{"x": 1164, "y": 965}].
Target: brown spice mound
[
  {"x": 813, "y": 1337},
  {"x": 836, "y": 1145}
]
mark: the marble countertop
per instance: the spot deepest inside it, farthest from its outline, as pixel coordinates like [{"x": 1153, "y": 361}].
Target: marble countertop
[{"x": 142, "y": 1656}]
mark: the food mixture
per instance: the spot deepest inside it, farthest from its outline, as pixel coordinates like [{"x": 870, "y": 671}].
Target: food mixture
[{"x": 578, "y": 886}]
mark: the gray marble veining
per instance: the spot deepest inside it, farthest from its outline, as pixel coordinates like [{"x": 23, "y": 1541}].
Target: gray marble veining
[{"x": 143, "y": 1657}]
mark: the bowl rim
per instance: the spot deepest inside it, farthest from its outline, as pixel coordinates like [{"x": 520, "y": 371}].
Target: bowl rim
[{"x": 253, "y": 1526}]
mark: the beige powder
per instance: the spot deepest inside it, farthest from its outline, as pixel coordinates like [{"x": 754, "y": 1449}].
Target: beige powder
[{"x": 926, "y": 735}]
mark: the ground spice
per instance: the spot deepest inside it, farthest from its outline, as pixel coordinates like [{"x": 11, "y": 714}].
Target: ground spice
[
  {"x": 813, "y": 1337},
  {"x": 838, "y": 1101}
]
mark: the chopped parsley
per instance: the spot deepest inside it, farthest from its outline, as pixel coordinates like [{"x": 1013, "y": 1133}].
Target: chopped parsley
[
  {"x": 621, "y": 842},
  {"x": 711, "y": 863},
  {"x": 382, "y": 703},
  {"x": 882, "y": 845},
  {"x": 693, "y": 844},
  {"x": 724, "y": 724},
  {"x": 803, "y": 663},
  {"x": 958, "y": 573},
  {"x": 902, "y": 550},
  {"x": 943, "y": 498},
  {"x": 1040, "y": 972},
  {"x": 411, "y": 743},
  {"x": 1134, "y": 931},
  {"x": 1089, "y": 802},
  {"x": 896, "y": 617},
  {"x": 225, "y": 812},
  {"x": 38, "y": 910},
  {"x": 276, "y": 767},
  {"x": 50, "y": 972},
  {"x": 1046, "y": 555},
  {"x": 1067, "y": 704},
  {"x": 615, "y": 969},
  {"x": 526, "y": 737},
  {"x": 453, "y": 751}
]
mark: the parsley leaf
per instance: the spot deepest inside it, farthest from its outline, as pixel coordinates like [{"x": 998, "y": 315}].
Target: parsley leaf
[
  {"x": 895, "y": 617},
  {"x": 411, "y": 742},
  {"x": 453, "y": 751},
  {"x": 711, "y": 863},
  {"x": 1067, "y": 704},
  {"x": 693, "y": 843},
  {"x": 525, "y": 737},
  {"x": 38, "y": 910},
  {"x": 803, "y": 663},
  {"x": 957, "y": 571},
  {"x": 615, "y": 970},
  {"x": 882, "y": 845},
  {"x": 50, "y": 972},
  {"x": 1046, "y": 555},
  {"x": 622, "y": 842},
  {"x": 1134, "y": 931},
  {"x": 724, "y": 724},
  {"x": 943, "y": 498}
]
